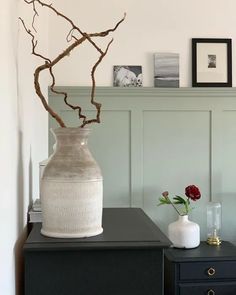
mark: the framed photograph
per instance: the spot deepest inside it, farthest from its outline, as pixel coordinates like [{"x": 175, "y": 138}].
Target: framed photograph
[
  {"x": 127, "y": 76},
  {"x": 166, "y": 69},
  {"x": 211, "y": 63}
]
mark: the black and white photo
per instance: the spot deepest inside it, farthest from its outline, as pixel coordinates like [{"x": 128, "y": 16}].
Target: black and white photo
[
  {"x": 127, "y": 76},
  {"x": 211, "y": 62},
  {"x": 166, "y": 70}
]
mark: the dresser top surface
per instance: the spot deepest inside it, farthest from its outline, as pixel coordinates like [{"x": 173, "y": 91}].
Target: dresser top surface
[
  {"x": 122, "y": 228},
  {"x": 205, "y": 252}
]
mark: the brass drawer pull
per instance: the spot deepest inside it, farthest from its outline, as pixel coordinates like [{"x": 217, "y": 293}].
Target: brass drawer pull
[
  {"x": 211, "y": 292},
  {"x": 211, "y": 271}
]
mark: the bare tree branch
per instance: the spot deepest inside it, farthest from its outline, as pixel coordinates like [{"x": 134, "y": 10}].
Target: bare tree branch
[
  {"x": 43, "y": 100},
  {"x": 97, "y": 105},
  {"x": 105, "y": 33},
  {"x": 50, "y": 63},
  {"x": 34, "y": 42},
  {"x": 81, "y": 116}
]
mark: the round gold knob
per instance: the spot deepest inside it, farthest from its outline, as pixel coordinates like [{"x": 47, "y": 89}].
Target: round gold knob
[
  {"x": 210, "y": 292},
  {"x": 211, "y": 271}
]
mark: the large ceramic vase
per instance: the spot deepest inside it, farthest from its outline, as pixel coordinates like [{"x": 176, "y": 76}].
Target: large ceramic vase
[
  {"x": 184, "y": 233},
  {"x": 71, "y": 188}
]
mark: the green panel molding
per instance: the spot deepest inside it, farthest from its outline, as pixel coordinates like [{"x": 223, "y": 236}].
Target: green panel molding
[{"x": 153, "y": 139}]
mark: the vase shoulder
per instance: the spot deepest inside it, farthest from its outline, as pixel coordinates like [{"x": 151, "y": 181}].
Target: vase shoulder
[{"x": 72, "y": 169}]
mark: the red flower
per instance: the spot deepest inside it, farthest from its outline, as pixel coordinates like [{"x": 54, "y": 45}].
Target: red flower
[{"x": 192, "y": 192}]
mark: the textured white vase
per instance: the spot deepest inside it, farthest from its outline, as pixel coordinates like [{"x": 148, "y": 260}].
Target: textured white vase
[
  {"x": 184, "y": 233},
  {"x": 71, "y": 188}
]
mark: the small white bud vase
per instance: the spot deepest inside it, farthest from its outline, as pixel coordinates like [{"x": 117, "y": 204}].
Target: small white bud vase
[
  {"x": 184, "y": 233},
  {"x": 71, "y": 188}
]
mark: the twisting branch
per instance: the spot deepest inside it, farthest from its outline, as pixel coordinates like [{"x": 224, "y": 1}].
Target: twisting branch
[
  {"x": 50, "y": 63},
  {"x": 33, "y": 41},
  {"x": 97, "y": 105},
  {"x": 105, "y": 33},
  {"x": 81, "y": 116}
]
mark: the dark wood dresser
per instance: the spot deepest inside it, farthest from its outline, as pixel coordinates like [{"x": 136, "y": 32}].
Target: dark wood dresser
[
  {"x": 206, "y": 270},
  {"x": 126, "y": 259}
]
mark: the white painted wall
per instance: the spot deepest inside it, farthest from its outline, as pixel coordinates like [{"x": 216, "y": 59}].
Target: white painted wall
[
  {"x": 23, "y": 140},
  {"x": 33, "y": 119},
  {"x": 8, "y": 147},
  {"x": 151, "y": 26}
]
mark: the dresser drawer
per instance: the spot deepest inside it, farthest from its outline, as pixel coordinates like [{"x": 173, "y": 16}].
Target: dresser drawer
[
  {"x": 207, "y": 270},
  {"x": 224, "y": 288}
]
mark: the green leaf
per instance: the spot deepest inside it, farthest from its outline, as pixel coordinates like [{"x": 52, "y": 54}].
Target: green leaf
[
  {"x": 180, "y": 199},
  {"x": 177, "y": 202},
  {"x": 163, "y": 201}
]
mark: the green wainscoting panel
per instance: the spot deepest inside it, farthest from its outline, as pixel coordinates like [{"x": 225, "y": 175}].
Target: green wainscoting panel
[
  {"x": 171, "y": 159},
  {"x": 228, "y": 181},
  {"x": 151, "y": 140}
]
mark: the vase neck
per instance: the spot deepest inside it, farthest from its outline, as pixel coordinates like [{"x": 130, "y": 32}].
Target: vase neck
[
  {"x": 183, "y": 218},
  {"x": 67, "y": 136},
  {"x": 70, "y": 141}
]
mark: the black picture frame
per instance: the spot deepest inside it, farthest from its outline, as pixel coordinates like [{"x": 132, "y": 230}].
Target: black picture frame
[{"x": 211, "y": 62}]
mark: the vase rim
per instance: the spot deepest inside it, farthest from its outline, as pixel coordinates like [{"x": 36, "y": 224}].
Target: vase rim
[{"x": 70, "y": 130}]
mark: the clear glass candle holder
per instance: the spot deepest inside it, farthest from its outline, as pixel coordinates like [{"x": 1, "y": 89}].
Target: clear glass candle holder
[{"x": 214, "y": 223}]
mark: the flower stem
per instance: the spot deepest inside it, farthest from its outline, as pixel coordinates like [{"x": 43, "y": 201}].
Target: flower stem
[
  {"x": 174, "y": 207},
  {"x": 186, "y": 207}
]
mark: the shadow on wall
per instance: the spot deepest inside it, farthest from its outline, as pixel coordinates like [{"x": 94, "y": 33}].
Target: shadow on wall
[{"x": 21, "y": 228}]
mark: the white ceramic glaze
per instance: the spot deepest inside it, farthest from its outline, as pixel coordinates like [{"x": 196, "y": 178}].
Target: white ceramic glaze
[
  {"x": 184, "y": 233},
  {"x": 71, "y": 188}
]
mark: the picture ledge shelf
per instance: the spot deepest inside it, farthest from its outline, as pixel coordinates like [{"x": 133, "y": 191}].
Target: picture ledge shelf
[{"x": 222, "y": 92}]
